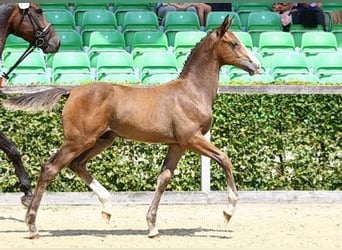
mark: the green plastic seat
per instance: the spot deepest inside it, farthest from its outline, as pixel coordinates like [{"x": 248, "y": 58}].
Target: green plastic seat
[
  {"x": 157, "y": 63},
  {"x": 328, "y": 64},
  {"x": 14, "y": 44},
  {"x": 146, "y": 41},
  {"x": 317, "y": 42},
  {"x": 331, "y": 6},
  {"x": 115, "y": 62},
  {"x": 297, "y": 31},
  {"x": 121, "y": 9},
  {"x": 336, "y": 78},
  {"x": 184, "y": 42},
  {"x": 28, "y": 79},
  {"x": 53, "y": 6},
  {"x": 96, "y": 20},
  {"x": 215, "y": 19},
  {"x": 271, "y": 42},
  {"x": 338, "y": 36},
  {"x": 71, "y": 40},
  {"x": 284, "y": 64},
  {"x": 179, "y": 21},
  {"x": 70, "y": 63},
  {"x": 262, "y": 21},
  {"x": 33, "y": 63},
  {"x": 245, "y": 8},
  {"x": 32, "y": 66},
  {"x": 138, "y": 21},
  {"x": 61, "y": 19},
  {"x": 81, "y": 8},
  {"x": 101, "y": 41}
]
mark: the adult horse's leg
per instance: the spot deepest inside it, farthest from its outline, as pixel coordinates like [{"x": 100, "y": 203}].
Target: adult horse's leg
[
  {"x": 78, "y": 165},
  {"x": 13, "y": 154},
  {"x": 172, "y": 158},
  {"x": 201, "y": 145}
]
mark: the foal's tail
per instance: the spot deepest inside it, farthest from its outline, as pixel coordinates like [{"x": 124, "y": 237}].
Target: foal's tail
[{"x": 39, "y": 101}]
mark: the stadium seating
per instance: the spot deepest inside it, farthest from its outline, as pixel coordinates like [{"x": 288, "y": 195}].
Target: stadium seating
[
  {"x": 179, "y": 21},
  {"x": 284, "y": 64},
  {"x": 61, "y": 19},
  {"x": 147, "y": 41},
  {"x": 162, "y": 63},
  {"x": 81, "y": 8},
  {"x": 245, "y": 8},
  {"x": 215, "y": 19},
  {"x": 138, "y": 21},
  {"x": 274, "y": 42},
  {"x": 96, "y": 20},
  {"x": 184, "y": 42},
  {"x": 108, "y": 40},
  {"x": 116, "y": 66},
  {"x": 71, "y": 67},
  {"x": 259, "y": 22},
  {"x": 327, "y": 65},
  {"x": 121, "y": 9},
  {"x": 317, "y": 42}
]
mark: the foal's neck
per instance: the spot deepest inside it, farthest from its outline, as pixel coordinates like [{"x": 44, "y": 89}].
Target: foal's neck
[{"x": 201, "y": 73}]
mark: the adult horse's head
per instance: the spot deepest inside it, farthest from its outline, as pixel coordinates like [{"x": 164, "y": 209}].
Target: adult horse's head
[
  {"x": 230, "y": 50},
  {"x": 27, "y": 21}
]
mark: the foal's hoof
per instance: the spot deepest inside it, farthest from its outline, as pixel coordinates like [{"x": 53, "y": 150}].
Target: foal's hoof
[
  {"x": 154, "y": 233},
  {"x": 34, "y": 236},
  {"x": 227, "y": 215},
  {"x": 106, "y": 216},
  {"x": 26, "y": 200}
]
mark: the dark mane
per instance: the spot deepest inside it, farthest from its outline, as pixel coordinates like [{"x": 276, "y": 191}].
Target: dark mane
[{"x": 192, "y": 52}]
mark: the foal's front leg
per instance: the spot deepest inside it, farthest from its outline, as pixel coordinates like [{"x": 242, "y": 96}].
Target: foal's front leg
[
  {"x": 170, "y": 163},
  {"x": 201, "y": 145}
]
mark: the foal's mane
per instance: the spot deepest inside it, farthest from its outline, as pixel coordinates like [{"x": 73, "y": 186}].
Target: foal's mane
[{"x": 195, "y": 49}]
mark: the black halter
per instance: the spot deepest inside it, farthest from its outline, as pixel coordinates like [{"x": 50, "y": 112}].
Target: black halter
[{"x": 40, "y": 34}]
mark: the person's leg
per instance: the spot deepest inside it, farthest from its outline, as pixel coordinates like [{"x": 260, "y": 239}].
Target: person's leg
[{"x": 163, "y": 10}]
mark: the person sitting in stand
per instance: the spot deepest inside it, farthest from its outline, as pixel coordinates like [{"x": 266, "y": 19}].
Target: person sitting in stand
[
  {"x": 201, "y": 9},
  {"x": 284, "y": 10},
  {"x": 310, "y": 15}
]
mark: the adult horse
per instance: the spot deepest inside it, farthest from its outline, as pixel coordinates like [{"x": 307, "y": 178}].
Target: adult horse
[
  {"x": 177, "y": 113},
  {"x": 27, "y": 21}
]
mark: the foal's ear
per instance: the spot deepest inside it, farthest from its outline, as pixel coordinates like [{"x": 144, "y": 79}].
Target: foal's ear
[{"x": 227, "y": 22}]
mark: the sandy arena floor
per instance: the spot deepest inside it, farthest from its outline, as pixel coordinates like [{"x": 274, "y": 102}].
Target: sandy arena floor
[{"x": 263, "y": 226}]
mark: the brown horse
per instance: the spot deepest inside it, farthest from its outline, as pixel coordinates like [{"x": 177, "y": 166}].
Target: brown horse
[
  {"x": 28, "y": 22},
  {"x": 177, "y": 113}
]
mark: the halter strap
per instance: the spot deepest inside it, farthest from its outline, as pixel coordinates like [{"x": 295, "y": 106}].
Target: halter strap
[{"x": 20, "y": 59}]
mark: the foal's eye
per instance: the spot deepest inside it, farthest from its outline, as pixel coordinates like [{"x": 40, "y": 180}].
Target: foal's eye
[
  {"x": 234, "y": 44},
  {"x": 39, "y": 11}
]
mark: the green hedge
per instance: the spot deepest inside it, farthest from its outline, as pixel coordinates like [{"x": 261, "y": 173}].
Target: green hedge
[{"x": 275, "y": 142}]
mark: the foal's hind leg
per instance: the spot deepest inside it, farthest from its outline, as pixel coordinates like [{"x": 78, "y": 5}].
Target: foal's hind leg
[
  {"x": 201, "y": 145},
  {"x": 170, "y": 163},
  {"x": 48, "y": 172},
  {"x": 13, "y": 154},
  {"x": 78, "y": 165}
]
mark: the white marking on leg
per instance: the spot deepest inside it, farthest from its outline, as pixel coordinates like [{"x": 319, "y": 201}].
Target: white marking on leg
[
  {"x": 103, "y": 194},
  {"x": 232, "y": 199}
]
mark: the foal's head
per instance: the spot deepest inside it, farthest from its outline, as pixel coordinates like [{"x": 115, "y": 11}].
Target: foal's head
[
  {"x": 27, "y": 21},
  {"x": 230, "y": 50}
]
